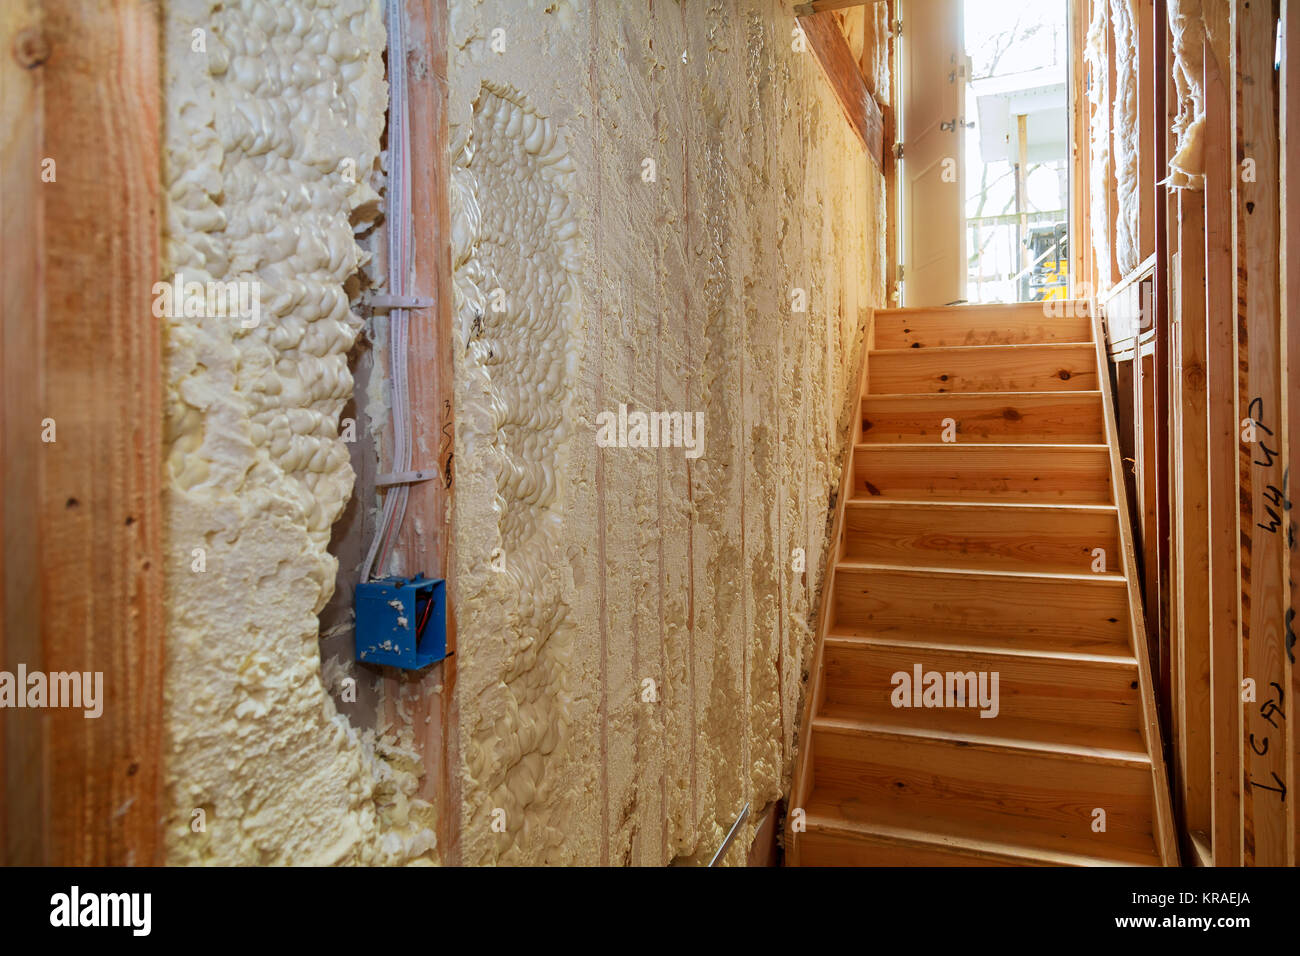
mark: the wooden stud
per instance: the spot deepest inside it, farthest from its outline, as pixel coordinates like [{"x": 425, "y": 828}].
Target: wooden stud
[
  {"x": 1262, "y": 469},
  {"x": 1080, "y": 245},
  {"x": 1191, "y": 519},
  {"x": 425, "y": 539},
  {"x": 1222, "y": 443},
  {"x": 1152, "y": 156},
  {"x": 890, "y": 165},
  {"x": 83, "y": 520},
  {"x": 1289, "y": 255},
  {"x": 1111, "y": 272}
]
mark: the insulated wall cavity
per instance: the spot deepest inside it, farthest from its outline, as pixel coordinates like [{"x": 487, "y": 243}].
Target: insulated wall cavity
[
  {"x": 1192, "y": 23},
  {"x": 1123, "y": 14},
  {"x": 274, "y": 114},
  {"x": 657, "y": 209},
  {"x": 1095, "y": 55}
]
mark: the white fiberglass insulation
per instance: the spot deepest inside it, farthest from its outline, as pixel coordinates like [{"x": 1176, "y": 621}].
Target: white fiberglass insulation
[
  {"x": 1099, "y": 135},
  {"x": 272, "y": 134},
  {"x": 1192, "y": 22},
  {"x": 632, "y": 632},
  {"x": 1124, "y": 130}
]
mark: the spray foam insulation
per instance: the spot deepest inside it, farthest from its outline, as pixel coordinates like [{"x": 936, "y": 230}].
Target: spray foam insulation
[
  {"x": 632, "y": 629},
  {"x": 630, "y": 671},
  {"x": 271, "y": 130}
]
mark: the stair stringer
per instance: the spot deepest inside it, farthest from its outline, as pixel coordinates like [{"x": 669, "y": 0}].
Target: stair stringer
[
  {"x": 1166, "y": 841},
  {"x": 814, "y": 695}
]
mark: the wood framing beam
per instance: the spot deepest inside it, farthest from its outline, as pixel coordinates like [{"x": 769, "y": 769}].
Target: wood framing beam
[
  {"x": 1289, "y": 255},
  {"x": 82, "y": 427},
  {"x": 1111, "y": 272},
  {"x": 1262, "y": 469},
  {"x": 1222, "y": 442},
  {"x": 424, "y": 539},
  {"x": 1144, "y": 409},
  {"x": 828, "y": 44},
  {"x": 1191, "y": 578},
  {"x": 821, "y": 6},
  {"x": 890, "y": 165},
  {"x": 1080, "y": 243},
  {"x": 1152, "y": 156}
]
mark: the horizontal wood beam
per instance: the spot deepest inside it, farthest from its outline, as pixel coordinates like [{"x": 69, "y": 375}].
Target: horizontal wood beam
[
  {"x": 829, "y": 45},
  {"x": 820, "y": 6}
]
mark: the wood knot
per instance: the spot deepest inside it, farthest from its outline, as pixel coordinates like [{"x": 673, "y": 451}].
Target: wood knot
[{"x": 31, "y": 49}]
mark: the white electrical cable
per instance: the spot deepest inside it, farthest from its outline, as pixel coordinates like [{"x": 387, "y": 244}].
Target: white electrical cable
[{"x": 399, "y": 235}]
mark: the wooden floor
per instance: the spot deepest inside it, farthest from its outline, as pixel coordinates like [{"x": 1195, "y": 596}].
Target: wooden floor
[{"x": 978, "y": 534}]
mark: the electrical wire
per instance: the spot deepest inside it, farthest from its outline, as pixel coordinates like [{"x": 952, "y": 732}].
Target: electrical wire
[{"x": 399, "y": 235}]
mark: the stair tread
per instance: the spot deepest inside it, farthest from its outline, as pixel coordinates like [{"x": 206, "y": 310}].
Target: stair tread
[
  {"x": 860, "y": 637},
  {"x": 1090, "y": 578},
  {"x": 1059, "y": 393},
  {"x": 981, "y": 446},
  {"x": 930, "y": 350},
  {"x": 977, "y": 398},
  {"x": 880, "y": 501},
  {"x": 842, "y": 814},
  {"x": 963, "y": 727},
  {"x": 950, "y": 505},
  {"x": 979, "y": 306}
]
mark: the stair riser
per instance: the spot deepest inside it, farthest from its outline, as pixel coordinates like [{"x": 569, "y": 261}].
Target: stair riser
[
  {"x": 1050, "y": 474},
  {"x": 1025, "y": 614},
  {"x": 1017, "y": 539},
  {"x": 860, "y": 680},
  {"x": 1014, "y": 369},
  {"x": 976, "y": 325},
  {"x": 1042, "y": 799},
  {"x": 984, "y": 418}
]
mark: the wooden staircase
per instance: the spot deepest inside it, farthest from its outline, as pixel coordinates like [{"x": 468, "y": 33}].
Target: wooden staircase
[{"x": 980, "y": 555}]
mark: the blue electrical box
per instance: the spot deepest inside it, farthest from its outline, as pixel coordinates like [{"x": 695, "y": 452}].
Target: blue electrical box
[{"x": 402, "y": 622}]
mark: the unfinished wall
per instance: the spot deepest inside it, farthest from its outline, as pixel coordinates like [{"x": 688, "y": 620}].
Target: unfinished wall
[
  {"x": 272, "y": 131},
  {"x": 638, "y": 191}
]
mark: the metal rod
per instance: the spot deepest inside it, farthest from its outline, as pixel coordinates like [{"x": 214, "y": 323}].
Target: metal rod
[{"x": 726, "y": 844}]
